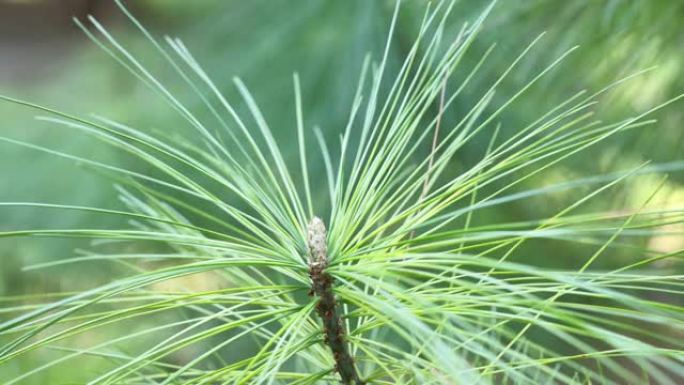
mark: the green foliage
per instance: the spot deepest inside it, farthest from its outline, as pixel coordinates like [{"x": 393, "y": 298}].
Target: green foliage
[{"x": 215, "y": 272}]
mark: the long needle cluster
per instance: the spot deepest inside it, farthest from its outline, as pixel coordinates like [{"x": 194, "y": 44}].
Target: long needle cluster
[{"x": 445, "y": 288}]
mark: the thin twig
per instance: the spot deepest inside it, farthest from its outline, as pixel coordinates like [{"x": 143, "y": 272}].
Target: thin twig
[
  {"x": 435, "y": 140},
  {"x": 435, "y": 143}
]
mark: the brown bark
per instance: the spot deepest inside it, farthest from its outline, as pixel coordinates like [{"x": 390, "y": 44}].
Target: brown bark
[{"x": 327, "y": 308}]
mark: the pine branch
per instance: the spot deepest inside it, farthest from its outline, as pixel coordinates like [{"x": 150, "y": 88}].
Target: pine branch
[{"x": 327, "y": 309}]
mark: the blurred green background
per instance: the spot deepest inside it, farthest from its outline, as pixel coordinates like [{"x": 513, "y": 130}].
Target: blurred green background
[{"x": 44, "y": 58}]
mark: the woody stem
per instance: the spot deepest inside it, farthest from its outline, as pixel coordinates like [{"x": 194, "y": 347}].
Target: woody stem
[{"x": 333, "y": 326}]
